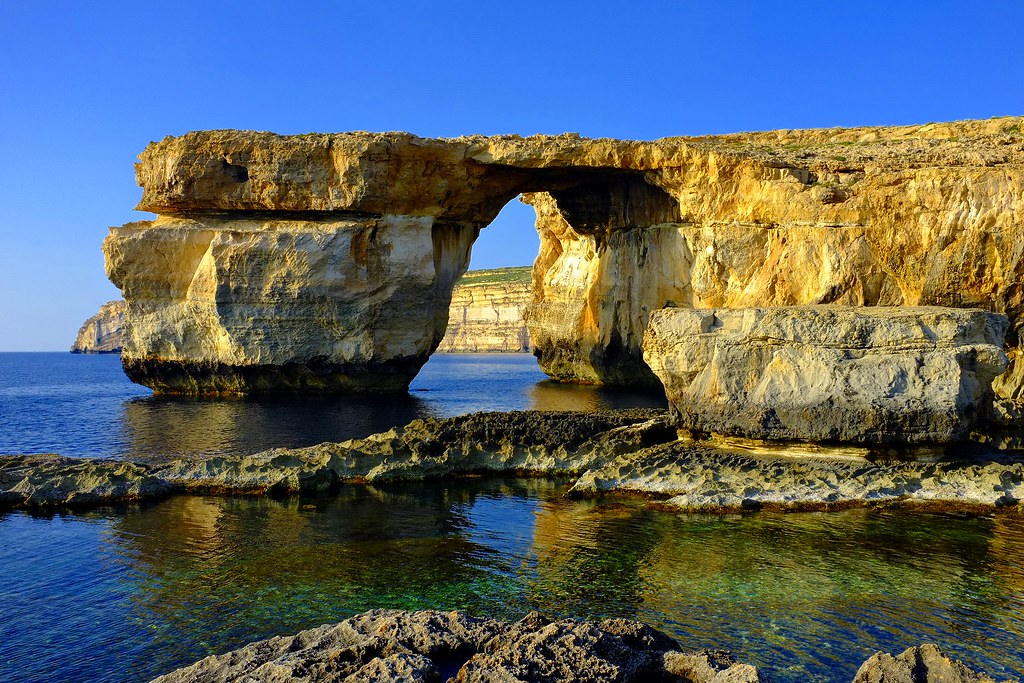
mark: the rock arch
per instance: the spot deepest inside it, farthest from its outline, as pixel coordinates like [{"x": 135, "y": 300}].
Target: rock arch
[{"x": 325, "y": 262}]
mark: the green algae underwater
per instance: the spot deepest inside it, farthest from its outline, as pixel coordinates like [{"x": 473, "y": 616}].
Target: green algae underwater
[{"x": 806, "y": 596}]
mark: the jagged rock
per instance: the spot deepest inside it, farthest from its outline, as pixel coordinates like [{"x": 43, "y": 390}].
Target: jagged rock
[
  {"x": 487, "y": 312},
  {"x": 828, "y": 373},
  {"x": 102, "y": 332},
  {"x": 325, "y": 262},
  {"x": 622, "y": 451},
  {"x": 924, "y": 664},
  {"x": 537, "y": 442},
  {"x": 46, "y": 480},
  {"x": 737, "y": 475},
  {"x": 389, "y": 645}
]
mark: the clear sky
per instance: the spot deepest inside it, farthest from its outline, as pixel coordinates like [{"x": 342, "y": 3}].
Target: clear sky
[{"x": 85, "y": 86}]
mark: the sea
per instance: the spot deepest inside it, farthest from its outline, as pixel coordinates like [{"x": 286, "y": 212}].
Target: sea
[{"x": 125, "y": 593}]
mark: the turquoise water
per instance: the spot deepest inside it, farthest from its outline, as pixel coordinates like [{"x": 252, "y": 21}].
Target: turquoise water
[{"x": 127, "y": 593}]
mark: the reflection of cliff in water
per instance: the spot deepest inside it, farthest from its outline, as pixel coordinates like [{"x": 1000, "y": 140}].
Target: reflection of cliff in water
[
  {"x": 790, "y": 591},
  {"x": 209, "y": 574},
  {"x": 156, "y": 426},
  {"x": 549, "y": 395}
]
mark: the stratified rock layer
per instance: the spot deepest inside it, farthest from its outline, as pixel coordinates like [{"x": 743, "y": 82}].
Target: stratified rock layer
[
  {"x": 390, "y": 646},
  {"x": 828, "y": 373},
  {"x": 486, "y": 316},
  {"x": 102, "y": 332},
  {"x": 326, "y": 261},
  {"x": 487, "y": 313}
]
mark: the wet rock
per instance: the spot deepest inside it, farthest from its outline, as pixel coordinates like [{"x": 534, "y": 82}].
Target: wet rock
[
  {"x": 828, "y": 373},
  {"x": 735, "y": 476},
  {"x": 385, "y": 645},
  {"x": 924, "y": 664}
]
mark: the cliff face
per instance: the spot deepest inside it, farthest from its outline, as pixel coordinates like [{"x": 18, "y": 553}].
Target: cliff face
[
  {"x": 102, "y": 332},
  {"x": 487, "y": 313},
  {"x": 325, "y": 262}
]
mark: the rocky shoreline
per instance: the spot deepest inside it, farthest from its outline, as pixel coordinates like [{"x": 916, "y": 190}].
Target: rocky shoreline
[
  {"x": 612, "y": 452},
  {"x": 396, "y": 646}
]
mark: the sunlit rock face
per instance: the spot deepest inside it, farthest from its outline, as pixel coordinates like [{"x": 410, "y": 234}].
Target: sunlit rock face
[
  {"x": 325, "y": 262},
  {"x": 873, "y": 375},
  {"x": 487, "y": 313},
  {"x": 102, "y": 332},
  {"x": 909, "y": 216}
]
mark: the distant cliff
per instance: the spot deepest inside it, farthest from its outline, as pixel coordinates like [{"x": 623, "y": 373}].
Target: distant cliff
[
  {"x": 102, "y": 332},
  {"x": 486, "y": 313},
  {"x": 486, "y": 316}
]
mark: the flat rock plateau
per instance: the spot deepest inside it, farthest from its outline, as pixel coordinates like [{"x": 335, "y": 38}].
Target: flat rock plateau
[{"x": 628, "y": 452}]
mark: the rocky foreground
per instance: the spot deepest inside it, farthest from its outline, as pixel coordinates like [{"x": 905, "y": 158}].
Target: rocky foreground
[
  {"x": 392, "y": 646},
  {"x": 637, "y": 452}
]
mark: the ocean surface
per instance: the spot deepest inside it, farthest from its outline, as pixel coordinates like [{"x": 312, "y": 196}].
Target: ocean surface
[{"x": 126, "y": 593}]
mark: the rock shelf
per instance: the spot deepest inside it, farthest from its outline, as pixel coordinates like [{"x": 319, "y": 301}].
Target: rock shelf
[{"x": 632, "y": 452}]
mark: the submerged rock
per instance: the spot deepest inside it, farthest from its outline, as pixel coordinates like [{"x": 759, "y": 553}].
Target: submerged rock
[
  {"x": 391, "y": 645},
  {"x": 828, "y": 373},
  {"x": 326, "y": 262}
]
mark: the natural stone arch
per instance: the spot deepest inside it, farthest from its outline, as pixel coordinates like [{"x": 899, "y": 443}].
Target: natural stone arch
[{"x": 325, "y": 262}]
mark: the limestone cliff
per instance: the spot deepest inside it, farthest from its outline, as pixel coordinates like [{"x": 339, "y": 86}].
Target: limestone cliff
[
  {"x": 487, "y": 312},
  {"x": 325, "y": 262},
  {"x": 102, "y": 332},
  {"x": 486, "y": 315}
]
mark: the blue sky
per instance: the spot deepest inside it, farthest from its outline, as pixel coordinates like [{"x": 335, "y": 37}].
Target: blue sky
[{"x": 85, "y": 86}]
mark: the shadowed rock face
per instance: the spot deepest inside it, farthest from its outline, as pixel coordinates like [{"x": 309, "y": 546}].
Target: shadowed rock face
[{"x": 339, "y": 251}]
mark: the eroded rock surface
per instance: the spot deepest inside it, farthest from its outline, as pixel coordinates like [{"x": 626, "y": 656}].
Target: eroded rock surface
[
  {"x": 323, "y": 262},
  {"x": 390, "y": 645},
  {"x": 924, "y": 664},
  {"x": 101, "y": 333},
  {"x": 487, "y": 313},
  {"x": 710, "y": 476},
  {"x": 828, "y": 373},
  {"x": 610, "y": 452}
]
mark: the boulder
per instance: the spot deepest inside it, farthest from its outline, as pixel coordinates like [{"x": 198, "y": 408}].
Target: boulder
[
  {"x": 875, "y": 375},
  {"x": 391, "y": 645},
  {"x": 924, "y": 664}
]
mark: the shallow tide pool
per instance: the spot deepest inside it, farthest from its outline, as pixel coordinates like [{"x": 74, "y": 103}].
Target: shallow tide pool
[{"x": 127, "y": 594}]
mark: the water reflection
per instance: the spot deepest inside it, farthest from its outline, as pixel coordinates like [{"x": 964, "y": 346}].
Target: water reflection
[
  {"x": 548, "y": 395},
  {"x": 162, "y": 426},
  {"x": 810, "y": 595},
  {"x": 172, "y": 426}
]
